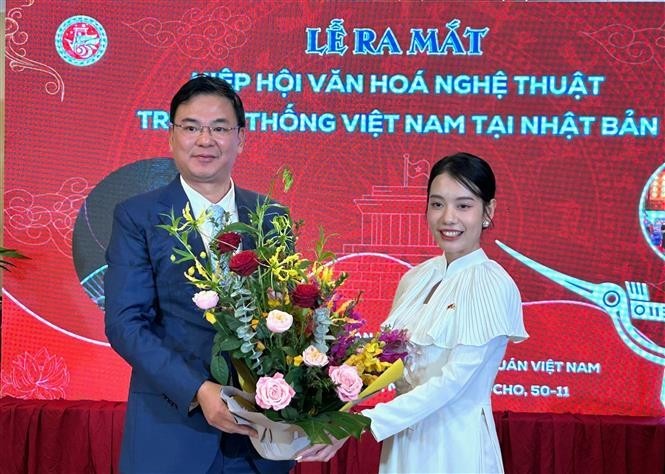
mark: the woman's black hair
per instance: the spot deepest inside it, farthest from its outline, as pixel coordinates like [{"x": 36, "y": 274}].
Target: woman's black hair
[{"x": 471, "y": 171}]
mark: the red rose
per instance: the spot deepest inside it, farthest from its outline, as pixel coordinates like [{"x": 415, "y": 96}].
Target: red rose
[
  {"x": 227, "y": 242},
  {"x": 244, "y": 263},
  {"x": 305, "y": 296}
]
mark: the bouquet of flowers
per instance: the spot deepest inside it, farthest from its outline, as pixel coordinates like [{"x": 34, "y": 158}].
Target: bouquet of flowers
[{"x": 294, "y": 338}]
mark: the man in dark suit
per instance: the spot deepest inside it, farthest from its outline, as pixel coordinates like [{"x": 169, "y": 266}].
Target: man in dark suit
[{"x": 175, "y": 420}]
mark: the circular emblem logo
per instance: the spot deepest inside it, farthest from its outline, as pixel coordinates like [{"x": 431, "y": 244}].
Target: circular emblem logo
[
  {"x": 652, "y": 211},
  {"x": 81, "y": 40}
]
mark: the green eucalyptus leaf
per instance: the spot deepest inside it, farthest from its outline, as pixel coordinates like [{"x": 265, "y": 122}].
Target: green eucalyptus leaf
[{"x": 231, "y": 322}]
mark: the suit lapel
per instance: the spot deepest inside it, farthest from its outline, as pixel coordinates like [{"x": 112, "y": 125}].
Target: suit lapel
[
  {"x": 245, "y": 203},
  {"x": 174, "y": 199}
]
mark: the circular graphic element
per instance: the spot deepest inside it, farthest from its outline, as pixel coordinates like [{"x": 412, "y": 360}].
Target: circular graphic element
[
  {"x": 81, "y": 40},
  {"x": 92, "y": 230},
  {"x": 652, "y": 211}
]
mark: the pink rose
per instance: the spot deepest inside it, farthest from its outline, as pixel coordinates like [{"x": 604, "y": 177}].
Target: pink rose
[
  {"x": 314, "y": 358},
  {"x": 206, "y": 299},
  {"x": 348, "y": 382},
  {"x": 273, "y": 392},
  {"x": 279, "y": 321}
]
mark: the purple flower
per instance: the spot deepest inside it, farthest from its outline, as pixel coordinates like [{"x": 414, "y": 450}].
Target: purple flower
[
  {"x": 340, "y": 349},
  {"x": 395, "y": 344},
  {"x": 357, "y": 323}
]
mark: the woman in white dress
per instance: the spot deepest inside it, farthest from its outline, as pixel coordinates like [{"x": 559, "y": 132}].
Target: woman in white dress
[{"x": 460, "y": 309}]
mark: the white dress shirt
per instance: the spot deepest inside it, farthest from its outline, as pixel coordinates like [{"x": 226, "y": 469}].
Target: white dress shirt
[{"x": 200, "y": 204}]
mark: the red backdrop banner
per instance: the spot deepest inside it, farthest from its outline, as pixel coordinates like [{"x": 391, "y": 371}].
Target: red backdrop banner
[{"x": 359, "y": 99}]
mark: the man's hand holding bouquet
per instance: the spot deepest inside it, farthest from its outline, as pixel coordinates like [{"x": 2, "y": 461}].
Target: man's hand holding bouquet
[{"x": 294, "y": 339}]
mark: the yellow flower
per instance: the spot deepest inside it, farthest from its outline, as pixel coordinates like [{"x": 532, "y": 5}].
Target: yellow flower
[
  {"x": 284, "y": 269},
  {"x": 187, "y": 212},
  {"x": 373, "y": 347},
  {"x": 199, "y": 221},
  {"x": 260, "y": 346},
  {"x": 323, "y": 273},
  {"x": 254, "y": 323},
  {"x": 367, "y": 362},
  {"x": 210, "y": 317},
  {"x": 368, "y": 379},
  {"x": 190, "y": 271},
  {"x": 275, "y": 299},
  {"x": 343, "y": 307},
  {"x": 200, "y": 268},
  {"x": 357, "y": 361},
  {"x": 297, "y": 360}
]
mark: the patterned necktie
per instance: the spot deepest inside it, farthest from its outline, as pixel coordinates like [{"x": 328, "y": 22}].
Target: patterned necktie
[{"x": 216, "y": 213}]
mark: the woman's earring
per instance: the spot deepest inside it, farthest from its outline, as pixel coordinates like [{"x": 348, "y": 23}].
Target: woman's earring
[{"x": 486, "y": 224}]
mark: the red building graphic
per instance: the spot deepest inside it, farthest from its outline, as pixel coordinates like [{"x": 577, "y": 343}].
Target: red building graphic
[{"x": 394, "y": 237}]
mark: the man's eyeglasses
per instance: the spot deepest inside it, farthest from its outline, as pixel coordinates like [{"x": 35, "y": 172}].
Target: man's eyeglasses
[{"x": 216, "y": 131}]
